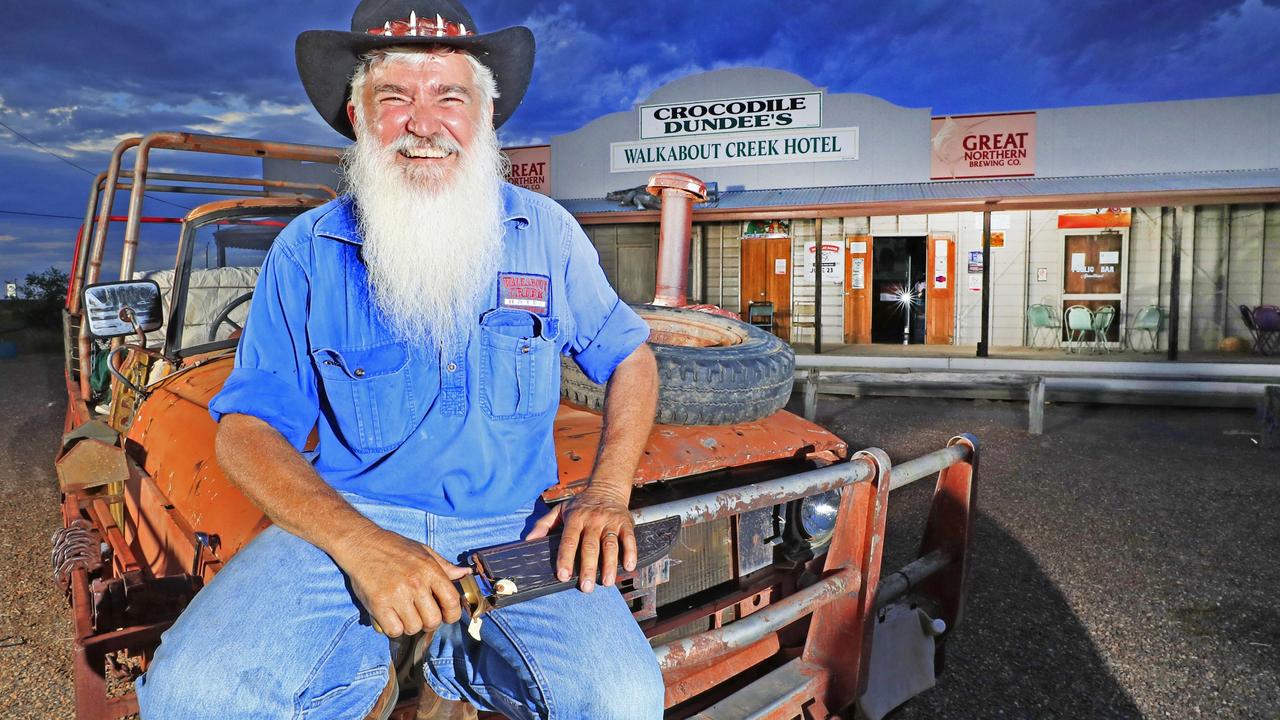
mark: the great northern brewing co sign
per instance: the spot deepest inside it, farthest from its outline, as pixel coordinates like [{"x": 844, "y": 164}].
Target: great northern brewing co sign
[{"x": 974, "y": 146}]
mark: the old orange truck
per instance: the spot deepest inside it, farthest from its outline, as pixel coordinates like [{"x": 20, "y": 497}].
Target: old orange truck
[{"x": 772, "y": 604}]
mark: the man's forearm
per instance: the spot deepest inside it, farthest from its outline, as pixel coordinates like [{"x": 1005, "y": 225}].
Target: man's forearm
[
  {"x": 630, "y": 399},
  {"x": 277, "y": 479}
]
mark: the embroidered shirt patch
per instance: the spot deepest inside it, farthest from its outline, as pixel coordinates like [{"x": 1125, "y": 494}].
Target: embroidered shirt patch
[{"x": 523, "y": 291}]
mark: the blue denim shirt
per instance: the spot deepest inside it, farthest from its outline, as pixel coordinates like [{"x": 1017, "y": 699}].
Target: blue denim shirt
[{"x": 466, "y": 431}]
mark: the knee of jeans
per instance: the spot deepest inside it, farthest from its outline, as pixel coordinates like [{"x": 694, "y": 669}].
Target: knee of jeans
[
  {"x": 190, "y": 684},
  {"x": 625, "y": 690}
]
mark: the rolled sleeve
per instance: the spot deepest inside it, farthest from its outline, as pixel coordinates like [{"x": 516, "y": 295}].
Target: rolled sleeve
[
  {"x": 273, "y": 378},
  {"x": 605, "y": 329}
]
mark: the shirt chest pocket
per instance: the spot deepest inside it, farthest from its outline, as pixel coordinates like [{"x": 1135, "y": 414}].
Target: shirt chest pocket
[
  {"x": 376, "y": 395},
  {"x": 519, "y": 370}
]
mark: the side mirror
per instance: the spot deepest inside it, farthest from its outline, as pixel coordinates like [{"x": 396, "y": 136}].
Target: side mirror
[{"x": 116, "y": 309}]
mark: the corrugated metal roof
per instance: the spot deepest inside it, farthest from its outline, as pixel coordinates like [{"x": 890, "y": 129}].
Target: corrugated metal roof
[{"x": 969, "y": 190}]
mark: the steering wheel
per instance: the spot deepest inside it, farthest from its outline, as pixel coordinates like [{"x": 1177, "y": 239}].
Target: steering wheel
[{"x": 224, "y": 316}]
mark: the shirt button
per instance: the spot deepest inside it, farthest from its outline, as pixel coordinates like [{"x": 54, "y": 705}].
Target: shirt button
[
  {"x": 524, "y": 349},
  {"x": 452, "y": 367},
  {"x": 359, "y": 372}
]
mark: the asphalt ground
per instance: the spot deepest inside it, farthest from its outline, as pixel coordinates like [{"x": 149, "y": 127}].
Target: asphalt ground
[{"x": 1124, "y": 562}]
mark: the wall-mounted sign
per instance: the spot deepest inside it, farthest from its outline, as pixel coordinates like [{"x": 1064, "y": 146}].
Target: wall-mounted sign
[
  {"x": 713, "y": 117},
  {"x": 975, "y": 261},
  {"x": 1101, "y": 219},
  {"x": 825, "y": 145},
  {"x": 530, "y": 167},
  {"x": 832, "y": 260},
  {"x": 767, "y": 229},
  {"x": 10, "y": 291},
  {"x": 997, "y": 239},
  {"x": 972, "y": 146}
]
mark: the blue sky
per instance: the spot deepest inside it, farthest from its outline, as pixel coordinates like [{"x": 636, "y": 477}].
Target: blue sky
[{"x": 77, "y": 75}]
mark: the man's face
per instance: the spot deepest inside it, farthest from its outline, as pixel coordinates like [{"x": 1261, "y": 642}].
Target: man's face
[{"x": 436, "y": 100}]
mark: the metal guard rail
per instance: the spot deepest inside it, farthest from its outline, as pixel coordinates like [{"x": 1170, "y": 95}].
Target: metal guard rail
[{"x": 708, "y": 645}]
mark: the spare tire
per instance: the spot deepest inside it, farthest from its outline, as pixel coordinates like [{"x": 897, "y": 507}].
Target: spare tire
[{"x": 712, "y": 370}]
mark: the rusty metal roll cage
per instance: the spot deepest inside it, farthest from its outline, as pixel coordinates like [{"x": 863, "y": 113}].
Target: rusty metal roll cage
[{"x": 102, "y": 195}]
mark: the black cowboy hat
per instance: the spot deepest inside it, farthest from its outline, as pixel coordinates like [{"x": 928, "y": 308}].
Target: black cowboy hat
[{"x": 327, "y": 58}]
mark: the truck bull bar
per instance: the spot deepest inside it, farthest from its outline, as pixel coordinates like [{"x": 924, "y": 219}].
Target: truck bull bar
[{"x": 843, "y": 604}]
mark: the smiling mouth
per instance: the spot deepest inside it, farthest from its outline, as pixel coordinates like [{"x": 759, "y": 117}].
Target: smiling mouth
[{"x": 425, "y": 153}]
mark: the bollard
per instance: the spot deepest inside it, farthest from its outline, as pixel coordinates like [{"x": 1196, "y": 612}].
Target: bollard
[{"x": 1270, "y": 412}]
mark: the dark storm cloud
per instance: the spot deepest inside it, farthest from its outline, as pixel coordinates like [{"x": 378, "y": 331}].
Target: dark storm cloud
[{"x": 226, "y": 66}]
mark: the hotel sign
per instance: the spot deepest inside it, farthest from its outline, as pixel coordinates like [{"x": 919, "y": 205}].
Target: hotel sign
[
  {"x": 983, "y": 146},
  {"x": 714, "y": 117},
  {"x": 818, "y": 145}
]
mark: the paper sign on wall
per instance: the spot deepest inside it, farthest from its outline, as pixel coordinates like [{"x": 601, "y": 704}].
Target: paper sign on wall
[
  {"x": 940, "y": 251},
  {"x": 859, "y": 279},
  {"x": 975, "y": 282},
  {"x": 779, "y": 266},
  {"x": 832, "y": 260},
  {"x": 1042, "y": 274},
  {"x": 975, "y": 261}
]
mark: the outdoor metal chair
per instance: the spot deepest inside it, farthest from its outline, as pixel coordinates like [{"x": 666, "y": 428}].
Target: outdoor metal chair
[
  {"x": 1146, "y": 322},
  {"x": 1246, "y": 316},
  {"x": 1042, "y": 319},
  {"x": 760, "y": 314},
  {"x": 1079, "y": 321},
  {"x": 1266, "y": 324},
  {"x": 1102, "y": 320}
]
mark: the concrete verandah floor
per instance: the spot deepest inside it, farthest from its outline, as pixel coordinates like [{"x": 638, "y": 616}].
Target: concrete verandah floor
[{"x": 881, "y": 350}]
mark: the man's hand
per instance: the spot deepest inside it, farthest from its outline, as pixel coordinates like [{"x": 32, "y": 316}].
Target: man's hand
[
  {"x": 406, "y": 586},
  {"x": 596, "y": 524}
]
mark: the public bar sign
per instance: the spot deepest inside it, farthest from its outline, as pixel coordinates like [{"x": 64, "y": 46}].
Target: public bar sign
[
  {"x": 802, "y": 146},
  {"x": 729, "y": 115},
  {"x": 530, "y": 167},
  {"x": 983, "y": 146}
]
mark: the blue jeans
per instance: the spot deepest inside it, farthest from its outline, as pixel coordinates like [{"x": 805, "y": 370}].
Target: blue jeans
[{"x": 278, "y": 634}]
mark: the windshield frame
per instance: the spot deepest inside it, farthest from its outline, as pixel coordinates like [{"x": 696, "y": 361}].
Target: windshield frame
[{"x": 182, "y": 276}]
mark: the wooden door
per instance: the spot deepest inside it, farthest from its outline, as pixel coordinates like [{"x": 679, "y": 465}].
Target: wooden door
[
  {"x": 1093, "y": 264},
  {"x": 766, "y": 276},
  {"x": 940, "y": 290},
  {"x": 857, "y": 289}
]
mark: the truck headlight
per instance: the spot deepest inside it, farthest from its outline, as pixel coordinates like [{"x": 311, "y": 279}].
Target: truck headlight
[{"x": 817, "y": 516}]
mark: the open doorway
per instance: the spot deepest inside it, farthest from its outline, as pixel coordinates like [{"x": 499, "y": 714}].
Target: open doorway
[{"x": 898, "y": 290}]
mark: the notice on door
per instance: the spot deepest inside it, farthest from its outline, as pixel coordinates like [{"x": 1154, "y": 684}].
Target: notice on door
[
  {"x": 940, "y": 252},
  {"x": 779, "y": 266},
  {"x": 859, "y": 279}
]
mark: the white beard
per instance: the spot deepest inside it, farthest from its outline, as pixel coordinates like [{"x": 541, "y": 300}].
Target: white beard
[{"x": 432, "y": 243}]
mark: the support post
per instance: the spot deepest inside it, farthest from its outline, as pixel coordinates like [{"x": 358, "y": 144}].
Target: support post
[
  {"x": 811, "y": 395},
  {"x": 1035, "y": 408},
  {"x": 983, "y": 345},
  {"x": 1175, "y": 285},
  {"x": 817, "y": 287}
]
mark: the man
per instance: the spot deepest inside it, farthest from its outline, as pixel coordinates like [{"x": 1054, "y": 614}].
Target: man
[{"x": 416, "y": 325}]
